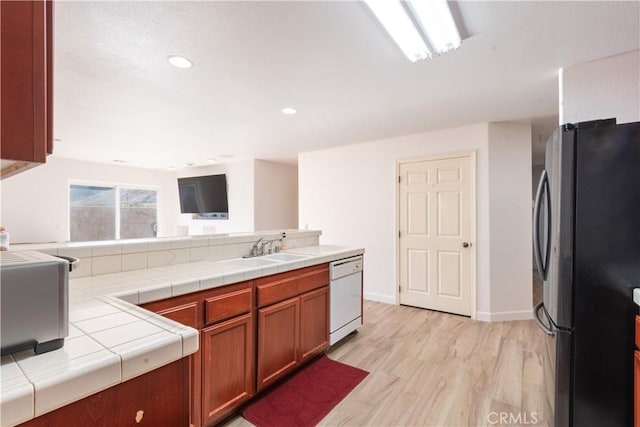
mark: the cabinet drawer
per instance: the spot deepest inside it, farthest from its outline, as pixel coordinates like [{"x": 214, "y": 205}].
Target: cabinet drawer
[
  {"x": 186, "y": 314},
  {"x": 270, "y": 293},
  {"x": 279, "y": 287},
  {"x": 313, "y": 279},
  {"x": 228, "y": 305}
]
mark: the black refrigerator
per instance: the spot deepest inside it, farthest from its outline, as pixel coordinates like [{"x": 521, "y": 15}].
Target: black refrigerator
[{"x": 587, "y": 247}]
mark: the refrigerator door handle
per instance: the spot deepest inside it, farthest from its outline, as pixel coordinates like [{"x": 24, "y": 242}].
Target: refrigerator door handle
[
  {"x": 536, "y": 316},
  {"x": 543, "y": 187}
]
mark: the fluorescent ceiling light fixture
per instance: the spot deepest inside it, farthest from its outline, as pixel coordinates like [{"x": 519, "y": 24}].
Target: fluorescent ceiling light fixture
[
  {"x": 289, "y": 110},
  {"x": 179, "y": 61},
  {"x": 437, "y": 23},
  {"x": 395, "y": 20},
  {"x": 434, "y": 25}
]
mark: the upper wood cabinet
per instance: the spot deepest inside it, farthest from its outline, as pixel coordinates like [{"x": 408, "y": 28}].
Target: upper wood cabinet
[{"x": 26, "y": 84}]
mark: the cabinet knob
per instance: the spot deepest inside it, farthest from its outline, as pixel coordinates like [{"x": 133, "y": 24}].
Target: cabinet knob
[{"x": 466, "y": 244}]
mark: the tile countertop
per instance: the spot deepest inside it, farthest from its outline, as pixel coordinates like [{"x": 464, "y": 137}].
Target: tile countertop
[
  {"x": 636, "y": 296},
  {"x": 112, "y": 340}
]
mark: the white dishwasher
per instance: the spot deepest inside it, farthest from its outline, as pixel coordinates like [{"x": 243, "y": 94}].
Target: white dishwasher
[{"x": 346, "y": 297}]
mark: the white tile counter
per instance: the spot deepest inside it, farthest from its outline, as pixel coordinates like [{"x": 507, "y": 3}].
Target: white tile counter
[
  {"x": 112, "y": 340},
  {"x": 636, "y": 296}
]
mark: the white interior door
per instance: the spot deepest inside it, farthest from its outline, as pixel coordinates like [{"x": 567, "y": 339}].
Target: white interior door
[{"x": 435, "y": 233}]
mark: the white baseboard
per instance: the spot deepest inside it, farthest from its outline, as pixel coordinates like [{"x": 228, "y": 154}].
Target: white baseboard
[
  {"x": 379, "y": 298},
  {"x": 504, "y": 316}
]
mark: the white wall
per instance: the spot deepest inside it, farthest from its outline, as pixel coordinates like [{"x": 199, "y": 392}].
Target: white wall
[
  {"x": 240, "y": 193},
  {"x": 608, "y": 87},
  {"x": 349, "y": 193},
  {"x": 510, "y": 221},
  {"x": 275, "y": 196},
  {"x": 35, "y": 203}
]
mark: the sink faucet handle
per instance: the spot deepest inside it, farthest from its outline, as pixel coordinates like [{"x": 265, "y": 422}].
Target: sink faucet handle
[
  {"x": 261, "y": 250},
  {"x": 254, "y": 248}
]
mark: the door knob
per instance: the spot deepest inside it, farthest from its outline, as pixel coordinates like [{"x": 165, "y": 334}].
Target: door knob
[{"x": 466, "y": 244}]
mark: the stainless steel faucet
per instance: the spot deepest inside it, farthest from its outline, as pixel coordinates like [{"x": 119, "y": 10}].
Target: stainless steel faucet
[
  {"x": 258, "y": 248},
  {"x": 254, "y": 248}
]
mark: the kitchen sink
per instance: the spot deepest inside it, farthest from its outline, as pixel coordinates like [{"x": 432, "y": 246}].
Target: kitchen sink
[{"x": 285, "y": 257}]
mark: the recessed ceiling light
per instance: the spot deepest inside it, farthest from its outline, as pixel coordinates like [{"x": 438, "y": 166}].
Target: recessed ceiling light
[
  {"x": 190, "y": 164},
  {"x": 179, "y": 61},
  {"x": 289, "y": 110},
  {"x": 227, "y": 156},
  {"x": 211, "y": 160},
  {"x": 171, "y": 168},
  {"x": 119, "y": 161}
]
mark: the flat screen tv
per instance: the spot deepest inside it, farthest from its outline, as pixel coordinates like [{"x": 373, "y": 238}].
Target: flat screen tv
[{"x": 204, "y": 195}]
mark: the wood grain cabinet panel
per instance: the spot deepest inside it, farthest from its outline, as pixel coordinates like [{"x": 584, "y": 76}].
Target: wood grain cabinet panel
[
  {"x": 279, "y": 287},
  {"x": 26, "y": 83},
  {"x": 227, "y": 367},
  {"x": 226, "y": 306},
  {"x": 214, "y": 380},
  {"x": 314, "y": 323},
  {"x": 187, "y": 314},
  {"x": 278, "y": 336},
  {"x": 146, "y": 398},
  {"x": 313, "y": 278}
]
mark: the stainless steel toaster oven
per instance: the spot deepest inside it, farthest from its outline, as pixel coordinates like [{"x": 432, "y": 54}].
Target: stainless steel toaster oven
[{"x": 34, "y": 295}]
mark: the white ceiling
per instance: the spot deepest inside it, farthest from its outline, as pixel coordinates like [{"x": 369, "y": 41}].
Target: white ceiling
[{"x": 117, "y": 97}]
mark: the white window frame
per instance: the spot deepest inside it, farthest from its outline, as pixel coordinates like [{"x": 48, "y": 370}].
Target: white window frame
[{"x": 117, "y": 187}]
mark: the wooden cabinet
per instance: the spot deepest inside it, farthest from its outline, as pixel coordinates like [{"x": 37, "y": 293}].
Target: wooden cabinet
[
  {"x": 278, "y": 337},
  {"x": 26, "y": 84},
  {"x": 227, "y": 367},
  {"x": 222, "y": 371},
  {"x": 314, "y": 323},
  {"x": 242, "y": 350},
  {"x": 146, "y": 400},
  {"x": 208, "y": 386},
  {"x": 291, "y": 330},
  {"x": 187, "y": 314}
]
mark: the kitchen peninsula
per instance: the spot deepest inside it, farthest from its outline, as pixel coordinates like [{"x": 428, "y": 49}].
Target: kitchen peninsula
[{"x": 113, "y": 341}]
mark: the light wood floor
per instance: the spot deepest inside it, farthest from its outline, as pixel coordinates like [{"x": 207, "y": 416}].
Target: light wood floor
[{"x": 435, "y": 369}]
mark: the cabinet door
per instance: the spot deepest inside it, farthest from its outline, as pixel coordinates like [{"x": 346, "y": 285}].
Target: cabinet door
[
  {"x": 314, "y": 323},
  {"x": 227, "y": 367},
  {"x": 26, "y": 81},
  {"x": 278, "y": 334}
]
